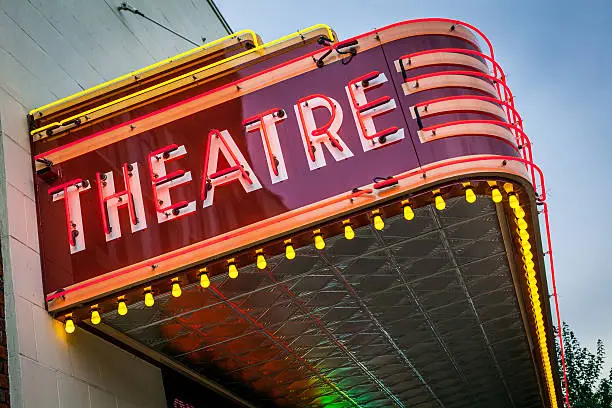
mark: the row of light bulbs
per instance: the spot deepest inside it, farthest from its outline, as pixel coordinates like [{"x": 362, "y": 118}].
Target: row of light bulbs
[
  {"x": 534, "y": 296},
  {"x": 319, "y": 243}
]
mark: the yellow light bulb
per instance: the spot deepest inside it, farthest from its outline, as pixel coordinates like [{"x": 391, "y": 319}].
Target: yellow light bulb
[
  {"x": 261, "y": 262},
  {"x": 524, "y": 235},
  {"x": 122, "y": 308},
  {"x": 233, "y": 271},
  {"x": 513, "y": 200},
  {"x": 529, "y": 264},
  {"x": 289, "y": 252},
  {"x": 496, "y": 195},
  {"x": 379, "y": 224},
  {"x": 440, "y": 204},
  {"x": 526, "y": 245},
  {"x": 522, "y": 224},
  {"x": 319, "y": 242},
  {"x": 519, "y": 212},
  {"x": 349, "y": 233},
  {"x": 470, "y": 197},
  {"x": 95, "y": 317},
  {"x": 176, "y": 289},
  {"x": 408, "y": 213},
  {"x": 149, "y": 299},
  {"x": 69, "y": 326},
  {"x": 204, "y": 281}
]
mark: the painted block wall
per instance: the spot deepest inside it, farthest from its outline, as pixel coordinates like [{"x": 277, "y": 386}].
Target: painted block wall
[{"x": 50, "y": 49}]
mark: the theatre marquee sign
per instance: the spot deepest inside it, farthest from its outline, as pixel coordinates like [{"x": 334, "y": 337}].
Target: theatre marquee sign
[{"x": 258, "y": 153}]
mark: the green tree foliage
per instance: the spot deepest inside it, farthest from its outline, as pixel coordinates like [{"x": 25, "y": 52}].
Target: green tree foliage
[{"x": 587, "y": 388}]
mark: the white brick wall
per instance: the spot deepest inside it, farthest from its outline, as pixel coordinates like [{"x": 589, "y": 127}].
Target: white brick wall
[
  {"x": 47, "y": 367},
  {"x": 48, "y": 50}
]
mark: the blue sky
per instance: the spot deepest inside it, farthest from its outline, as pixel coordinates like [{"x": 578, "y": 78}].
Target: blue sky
[{"x": 558, "y": 57}]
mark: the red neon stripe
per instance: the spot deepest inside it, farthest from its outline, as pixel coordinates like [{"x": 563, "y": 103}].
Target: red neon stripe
[{"x": 554, "y": 285}]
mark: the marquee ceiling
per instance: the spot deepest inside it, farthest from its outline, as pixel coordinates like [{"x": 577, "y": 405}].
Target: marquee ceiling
[{"x": 421, "y": 314}]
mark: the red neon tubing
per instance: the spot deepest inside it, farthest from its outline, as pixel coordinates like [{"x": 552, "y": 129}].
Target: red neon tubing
[
  {"x": 320, "y": 130},
  {"x": 494, "y": 63},
  {"x": 64, "y": 187},
  {"x": 259, "y": 118}
]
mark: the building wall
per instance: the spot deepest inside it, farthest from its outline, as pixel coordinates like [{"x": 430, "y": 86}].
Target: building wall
[{"x": 48, "y": 50}]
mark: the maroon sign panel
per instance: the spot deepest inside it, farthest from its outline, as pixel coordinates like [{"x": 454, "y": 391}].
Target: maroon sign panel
[{"x": 289, "y": 144}]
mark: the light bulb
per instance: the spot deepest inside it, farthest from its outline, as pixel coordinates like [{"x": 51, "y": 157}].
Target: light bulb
[
  {"x": 69, "y": 326},
  {"x": 204, "y": 281},
  {"x": 529, "y": 264},
  {"x": 519, "y": 212},
  {"x": 149, "y": 299},
  {"x": 470, "y": 197},
  {"x": 95, "y": 317},
  {"x": 319, "y": 242},
  {"x": 176, "y": 289},
  {"x": 440, "y": 204},
  {"x": 522, "y": 224},
  {"x": 289, "y": 252},
  {"x": 379, "y": 224},
  {"x": 349, "y": 233},
  {"x": 261, "y": 261},
  {"x": 122, "y": 308},
  {"x": 408, "y": 213},
  {"x": 233, "y": 271},
  {"x": 513, "y": 200},
  {"x": 496, "y": 195},
  {"x": 524, "y": 235},
  {"x": 526, "y": 245}
]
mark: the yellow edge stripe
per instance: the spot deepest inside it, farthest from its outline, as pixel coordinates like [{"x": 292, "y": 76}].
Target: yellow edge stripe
[
  {"x": 188, "y": 74},
  {"x": 155, "y": 65}
]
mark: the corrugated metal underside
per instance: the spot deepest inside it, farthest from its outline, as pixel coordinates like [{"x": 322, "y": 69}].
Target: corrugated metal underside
[{"x": 421, "y": 314}]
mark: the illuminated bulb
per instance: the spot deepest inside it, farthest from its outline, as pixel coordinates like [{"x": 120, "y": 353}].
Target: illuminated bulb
[
  {"x": 408, "y": 213},
  {"x": 261, "y": 262},
  {"x": 95, "y": 317},
  {"x": 379, "y": 224},
  {"x": 122, "y": 308},
  {"x": 522, "y": 224},
  {"x": 519, "y": 212},
  {"x": 529, "y": 264},
  {"x": 233, "y": 271},
  {"x": 149, "y": 299},
  {"x": 204, "y": 281},
  {"x": 470, "y": 197},
  {"x": 524, "y": 235},
  {"x": 440, "y": 204},
  {"x": 69, "y": 326},
  {"x": 349, "y": 233},
  {"x": 319, "y": 242},
  {"x": 526, "y": 245},
  {"x": 513, "y": 200},
  {"x": 176, "y": 289},
  {"x": 496, "y": 195},
  {"x": 289, "y": 252}
]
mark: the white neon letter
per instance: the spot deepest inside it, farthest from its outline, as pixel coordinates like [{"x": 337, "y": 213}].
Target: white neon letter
[
  {"x": 111, "y": 201},
  {"x": 266, "y": 123},
  {"x": 70, "y": 193},
  {"x": 313, "y": 137},
  {"x": 239, "y": 170},
  {"x": 162, "y": 183},
  {"x": 364, "y": 112}
]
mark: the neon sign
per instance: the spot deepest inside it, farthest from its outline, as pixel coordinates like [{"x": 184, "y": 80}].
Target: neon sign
[{"x": 316, "y": 139}]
